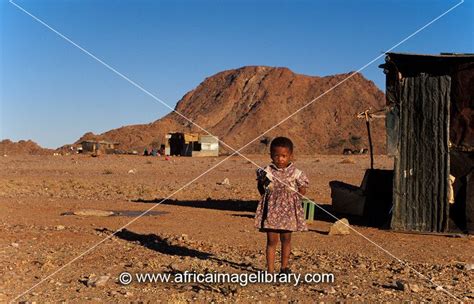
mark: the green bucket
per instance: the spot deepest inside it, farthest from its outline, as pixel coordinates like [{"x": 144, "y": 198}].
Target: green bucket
[{"x": 308, "y": 208}]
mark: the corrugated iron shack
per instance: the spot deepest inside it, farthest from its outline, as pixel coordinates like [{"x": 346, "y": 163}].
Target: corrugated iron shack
[
  {"x": 191, "y": 144},
  {"x": 430, "y": 133},
  {"x": 98, "y": 147}
]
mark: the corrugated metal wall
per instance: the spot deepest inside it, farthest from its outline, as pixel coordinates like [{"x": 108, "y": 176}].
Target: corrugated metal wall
[{"x": 422, "y": 160}]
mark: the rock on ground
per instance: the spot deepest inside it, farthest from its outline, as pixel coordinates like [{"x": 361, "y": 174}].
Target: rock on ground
[{"x": 340, "y": 227}]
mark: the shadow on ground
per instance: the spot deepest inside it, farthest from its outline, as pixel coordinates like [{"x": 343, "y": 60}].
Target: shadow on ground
[
  {"x": 230, "y": 205},
  {"x": 163, "y": 246},
  {"x": 322, "y": 212},
  {"x": 157, "y": 243}
]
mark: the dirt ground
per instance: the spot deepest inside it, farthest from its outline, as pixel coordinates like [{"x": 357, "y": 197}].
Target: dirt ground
[{"x": 205, "y": 227}]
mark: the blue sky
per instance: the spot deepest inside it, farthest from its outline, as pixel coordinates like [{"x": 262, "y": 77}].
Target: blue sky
[{"x": 52, "y": 93}]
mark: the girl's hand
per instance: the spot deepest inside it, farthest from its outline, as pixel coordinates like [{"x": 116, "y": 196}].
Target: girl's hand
[{"x": 302, "y": 190}]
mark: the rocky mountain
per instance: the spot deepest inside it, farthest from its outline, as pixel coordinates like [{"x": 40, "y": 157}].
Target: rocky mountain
[{"x": 239, "y": 105}]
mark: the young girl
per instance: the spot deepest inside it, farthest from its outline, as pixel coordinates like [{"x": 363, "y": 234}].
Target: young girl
[{"x": 279, "y": 211}]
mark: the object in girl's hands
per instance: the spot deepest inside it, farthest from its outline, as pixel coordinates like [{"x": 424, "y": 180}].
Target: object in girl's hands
[{"x": 265, "y": 178}]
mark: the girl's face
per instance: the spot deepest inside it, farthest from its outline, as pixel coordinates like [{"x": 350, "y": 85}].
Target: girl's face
[{"x": 281, "y": 156}]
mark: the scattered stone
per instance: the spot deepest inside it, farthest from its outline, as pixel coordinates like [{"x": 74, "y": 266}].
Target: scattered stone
[
  {"x": 469, "y": 295},
  {"x": 132, "y": 171},
  {"x": 94, "y": 281},
  {"x": 402, "y": 286},
  {"x": 101, "y": 281},
  {"x": 297, "y": 253},
  {"x": 414, "y": 287},
  {"x": 225, "y": 182},
  {"x": 16, "y": 245},
  {"x": 59, "y": 227},
  {"x": 174, "y": 267},
  {"x": 340, "y": 227},
  {"x": 329, "y": 290},
  {"x": 347, "y": 161},
  {"x": 469, "y": 266},
  {"x": 92, "y": 212}
]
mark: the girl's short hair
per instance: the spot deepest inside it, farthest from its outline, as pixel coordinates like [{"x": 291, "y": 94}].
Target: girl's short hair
[{"x": 281, "y": 142}]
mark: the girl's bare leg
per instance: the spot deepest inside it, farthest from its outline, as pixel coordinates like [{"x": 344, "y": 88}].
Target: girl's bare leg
[
  {"x": 285, "y": 238},
  {"x": 272, "y": 242}
]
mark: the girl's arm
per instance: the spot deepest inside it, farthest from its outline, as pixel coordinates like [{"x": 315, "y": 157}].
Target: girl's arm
[{"x": 302, "y": 183}]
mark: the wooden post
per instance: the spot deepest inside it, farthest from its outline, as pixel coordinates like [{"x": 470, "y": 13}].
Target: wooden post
[
  {"x": 368, "y": 117},
  {"x": 367, "y": 122}
]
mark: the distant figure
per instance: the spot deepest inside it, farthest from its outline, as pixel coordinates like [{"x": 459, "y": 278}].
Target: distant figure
[
  {"x": 280, "y": 211},
  {"x": 153, "y": 152},
  {"x": 145, "y": 153}
]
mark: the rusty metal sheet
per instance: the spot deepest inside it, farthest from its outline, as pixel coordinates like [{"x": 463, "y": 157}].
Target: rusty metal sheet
[{"x": 421, "y": 177}]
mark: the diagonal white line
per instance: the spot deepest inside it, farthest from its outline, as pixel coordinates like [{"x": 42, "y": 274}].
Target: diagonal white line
[
  {"x": 235, "y": 151},
  {"x": 116, "y": 72}
]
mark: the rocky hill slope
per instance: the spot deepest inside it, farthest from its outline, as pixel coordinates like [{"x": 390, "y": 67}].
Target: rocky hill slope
[{"x": 22, "y": 147}]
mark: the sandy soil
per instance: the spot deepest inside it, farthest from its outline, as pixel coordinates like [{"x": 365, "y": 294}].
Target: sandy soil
[{"x": 206, "y": 227}]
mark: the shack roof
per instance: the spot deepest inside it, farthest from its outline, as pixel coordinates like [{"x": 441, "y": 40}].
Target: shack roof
[
  {"x": 208, "y": 139},
  {"x": 440, "y": 55},
  {"x": 444, "y": 63},
  {"x": 194, "y": 137}
]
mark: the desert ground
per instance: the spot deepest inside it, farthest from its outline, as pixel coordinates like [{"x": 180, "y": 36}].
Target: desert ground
[{"x": 204, "y": 227}]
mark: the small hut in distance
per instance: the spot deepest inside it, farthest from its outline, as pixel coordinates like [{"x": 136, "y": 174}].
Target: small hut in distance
[
  {"x": 191, "y": 144},
  {"x": 98, "y": 147}
]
